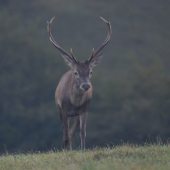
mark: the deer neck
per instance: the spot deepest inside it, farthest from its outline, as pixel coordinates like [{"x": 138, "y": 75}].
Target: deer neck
[{"x": 78, "y": 96}]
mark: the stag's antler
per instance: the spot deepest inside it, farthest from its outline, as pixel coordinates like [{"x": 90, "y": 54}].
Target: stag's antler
[
  {"x": 56, "y": 45},
  {"x": 94, "y": 54}
]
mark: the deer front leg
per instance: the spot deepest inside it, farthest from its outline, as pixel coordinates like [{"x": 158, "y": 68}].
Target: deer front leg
[
  {"x": 83, "y": 121},
  {"x": 72, "y": 130},
  {"x": 65, "y": 132}
]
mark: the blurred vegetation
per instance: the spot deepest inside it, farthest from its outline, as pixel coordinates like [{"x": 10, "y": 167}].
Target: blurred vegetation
[{"x": 131, "y": 97}]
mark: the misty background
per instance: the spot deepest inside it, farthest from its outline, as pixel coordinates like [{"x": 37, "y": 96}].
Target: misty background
[{"x": 131, "y": 85}]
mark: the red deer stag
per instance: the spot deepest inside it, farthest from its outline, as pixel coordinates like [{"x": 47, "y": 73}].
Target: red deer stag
[{"x": 74, "y": 90}]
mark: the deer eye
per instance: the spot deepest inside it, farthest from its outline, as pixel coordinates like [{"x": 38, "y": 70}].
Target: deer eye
[
  {"x": 75, "y": 73},
  {"x": 91, "y": 72}
]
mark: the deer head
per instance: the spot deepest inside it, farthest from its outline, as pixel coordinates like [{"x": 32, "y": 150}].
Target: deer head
[{"x": 82, "y": 71}]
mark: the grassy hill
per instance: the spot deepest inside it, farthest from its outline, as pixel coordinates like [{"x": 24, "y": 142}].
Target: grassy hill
[{"x": 118, "y": 158}]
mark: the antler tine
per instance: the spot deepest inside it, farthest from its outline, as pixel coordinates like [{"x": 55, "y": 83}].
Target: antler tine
[
  {"x": 94, "y": 54},
  {"x": 92, "y": 51},
  {"x": 72, "y": 54},
  {"x": 55, "y": 44}
]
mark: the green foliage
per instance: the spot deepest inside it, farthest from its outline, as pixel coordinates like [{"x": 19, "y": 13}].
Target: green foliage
[
  {"x": 131, "y": 95},
  {"x": 25, "y": 74},
  {"x": 121, "y": 157}
]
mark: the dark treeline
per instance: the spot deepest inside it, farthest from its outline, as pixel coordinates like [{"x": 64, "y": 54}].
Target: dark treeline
[{"x": 131, "y": 96}]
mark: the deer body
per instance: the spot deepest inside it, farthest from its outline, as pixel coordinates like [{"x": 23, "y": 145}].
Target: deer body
[
  {"x": 74, "y": 91},
  {"x": 71, "y": 103}
]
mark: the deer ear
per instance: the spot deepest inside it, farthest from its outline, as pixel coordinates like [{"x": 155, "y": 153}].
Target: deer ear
[
  {"x": 68, "y": 61},
  {"x": 94, "y": 62}
]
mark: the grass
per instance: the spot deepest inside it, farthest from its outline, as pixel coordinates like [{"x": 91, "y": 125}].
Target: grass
[{"x": 150, "y": 157}]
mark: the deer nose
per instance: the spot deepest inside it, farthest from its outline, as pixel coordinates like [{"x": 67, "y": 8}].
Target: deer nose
[{"x": 85, "y": 86}]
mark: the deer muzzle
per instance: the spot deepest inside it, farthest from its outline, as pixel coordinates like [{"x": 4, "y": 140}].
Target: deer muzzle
[{"x": 85, "y": 86}]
